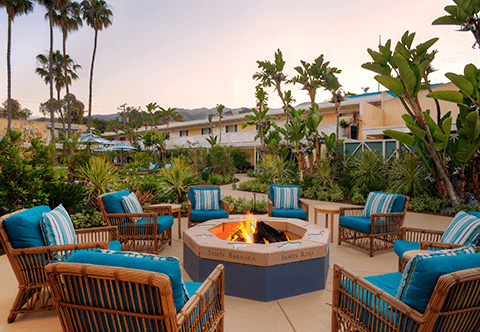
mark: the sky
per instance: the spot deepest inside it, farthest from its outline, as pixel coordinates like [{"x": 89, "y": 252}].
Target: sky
[{"x": 194, "y": 54}]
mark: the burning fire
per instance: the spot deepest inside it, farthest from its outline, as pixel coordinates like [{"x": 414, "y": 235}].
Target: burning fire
[{"x": 245, "y": 231}]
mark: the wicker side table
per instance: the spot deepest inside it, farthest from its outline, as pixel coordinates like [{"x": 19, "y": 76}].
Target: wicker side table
[
  {"x": 175, "y": 208},
  {"x": 328, "y": 210}
]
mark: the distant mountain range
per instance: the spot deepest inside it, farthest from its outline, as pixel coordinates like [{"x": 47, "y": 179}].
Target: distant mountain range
[{"x": 187, "y": 114}]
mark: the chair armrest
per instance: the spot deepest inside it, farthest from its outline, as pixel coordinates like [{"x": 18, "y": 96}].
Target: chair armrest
[
  {"x": 207, "y": 305},
  {"x": 95, "y": 234},
  {"x": 304, "y": 206},
  {"x": 126, "y": 225},
  {"x": 419, "y": 234},
  {"x": 161, "y": 210},
  {"x": 225, "y": 206},
  {"x": 348, "y": 302},
  {"x": 270, "y": 207},
  {"x": 351, "y": 211},
  {"x": 426, "y": 245}
]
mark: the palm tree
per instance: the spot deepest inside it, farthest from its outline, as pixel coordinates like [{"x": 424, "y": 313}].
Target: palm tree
[
  {"x": 169, "y": 115},
  {"x": 50, "y": 6},
  {"x": 67, "y": 18},
  {"x": 311, "y": 76},
  {"x": 153, "y": 120},
  {"x": 61, "y": 80},
  {"x": 14, "y": 8},
  {"x": 220, "y": 108},
  {"x": 98, "y": 15}
]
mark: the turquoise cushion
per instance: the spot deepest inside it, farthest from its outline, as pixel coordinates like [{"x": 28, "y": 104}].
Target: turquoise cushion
[
  {"x": 207, "y": 199},
  {"x": 57, "y": 227},
  {"x": 387, "y": 282},
  {"x": 285, "y": 198},
  {"x": 464, "y": 229},
  {"x": 23, "y": 228},
  {"x": 168, "y": 267},
  {"x": 400, "y": 247},
  {"x": 191, "y": 194},
  {"x": 271, "y": 190},
  {"x": 292, "y": 213},
  {"x": 114, "y": 245},
  {"x": 192, "y": 287},
  {"x": 360, "y": 224},
  {"x": 204, "y": 215},
  {"x": 476, "y": 214},
  {"x": 113, "y": 201},
  {"x": 164, "y": 222},
  {"x": 427, "y": 272},
  {"x": 378, "y": 202}
]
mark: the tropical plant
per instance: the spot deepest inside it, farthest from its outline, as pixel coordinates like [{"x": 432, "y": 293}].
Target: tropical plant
[
  {"x": 311, "y": 76},
  {"x": 14, "y": 8},
  {"x": 312, "y": 122},
  {"x": 275, "y": 170},
  {"x": 100, "y": 177},
  {"x": 169, "y": 114},
  {"x": 272, "y": 74},
  {"x": 220, "y": 109},
  {"x": 408, "y": 78},
  {"x": 70, "y": 195},
  {"x": 151, "y": 107},
  {"x": 368, "y": 171},
  {"x": 344, "y": 124},
  {"x": 294, "y": 131},
  {"x": 324, "y": 173},
  {"x": 220, "y": 157},
  {"x": 466, "y": 15},
  {"x": 177, "y": 178},
  {"x": 212, "y": 140},
  {"x": 87, "y": 219},
  {"x": 260, "y": 119},
  {"x": 67, "y": 17},
  {"x": 408, "y": 176},
  {"x": 24, "y": 171},
  {"x": 98, "y": 15}
]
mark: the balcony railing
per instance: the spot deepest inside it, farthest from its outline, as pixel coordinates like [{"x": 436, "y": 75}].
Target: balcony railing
[{"x": 243, "y": 138}]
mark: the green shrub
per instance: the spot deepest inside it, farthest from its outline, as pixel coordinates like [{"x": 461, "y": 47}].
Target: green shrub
[
  {"x": 86, "y": 220},
  {"x": 417, "y": 204},
  {"x": 429, "y": 203},
  {"x": 358, "y": 198},
  {"x": 205, "y": 175},
  {"x": 70, "y": 195},
  {"x": 242, "y": 205},
  {"x": 462, "y": 207},
  {"x": 336, "y": 193},
  {"x": 310, "y": 193},
  {"x": 251, "y": 173},
  {"x": 234, "y": 186},
  {"x": 214, "y": 179},
  {"x": 323, "y": 195}
]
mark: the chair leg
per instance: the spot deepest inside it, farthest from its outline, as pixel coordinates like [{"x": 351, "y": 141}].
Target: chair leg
[
  {"x": 340, "y": 235},
  {"x": 371, "y": 245}
]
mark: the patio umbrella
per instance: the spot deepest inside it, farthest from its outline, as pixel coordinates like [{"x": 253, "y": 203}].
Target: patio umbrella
[
  {"x": 195, "y": 145},
  {"x": 92, "y": 138},
  {"x": 120, "y": 147}
]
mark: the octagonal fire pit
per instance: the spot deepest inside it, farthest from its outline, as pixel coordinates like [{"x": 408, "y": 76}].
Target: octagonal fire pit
[{"x": 270, "y": 269}]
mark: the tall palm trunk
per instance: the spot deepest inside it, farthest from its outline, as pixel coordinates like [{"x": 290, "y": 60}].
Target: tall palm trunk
[
  {"x": 69, "y": 114},
  {"x": 9, "y": 74},
  {"x": 89, "y": 122},
  {"x": 52, "y": 111}
]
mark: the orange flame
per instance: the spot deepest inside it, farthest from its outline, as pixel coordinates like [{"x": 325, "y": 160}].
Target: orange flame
[{"x": 245, "y": 229}]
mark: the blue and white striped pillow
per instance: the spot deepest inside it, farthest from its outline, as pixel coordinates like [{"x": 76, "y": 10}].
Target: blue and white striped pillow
[
  {"x": 464, "y": 229},
  {"x": 131, "y": 204},
  {"x": 378, "y": 203},
  {"x": 413, "y": 261},
  {"x": 286, "y": 198},
  {"x": 206, "y": 200},
  {"x": 57, "y": 227}
]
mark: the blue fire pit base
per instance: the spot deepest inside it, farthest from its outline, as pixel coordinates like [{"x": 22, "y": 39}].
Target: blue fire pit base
[{"x": 261, "y": 283}]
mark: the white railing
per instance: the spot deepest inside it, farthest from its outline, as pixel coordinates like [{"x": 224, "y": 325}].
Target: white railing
[{"x": 244, "y": 138}]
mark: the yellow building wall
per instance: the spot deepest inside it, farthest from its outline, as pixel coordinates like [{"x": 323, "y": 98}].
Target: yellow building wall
[
  {"x": 394, "y": 108},
  {"x": 247, "y": 128},
  {"x": 328, "y": 118},
  {"x": 39, "y": 126},
  {"x": 250, "y": 155},
  {"x": 195, "y": 132}
]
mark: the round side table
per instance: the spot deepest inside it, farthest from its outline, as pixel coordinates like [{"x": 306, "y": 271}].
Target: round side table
[{"x": 328, "y": 210}]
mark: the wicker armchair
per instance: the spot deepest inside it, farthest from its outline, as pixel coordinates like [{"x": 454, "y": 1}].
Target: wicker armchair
[
  {"x": 422, "y": 239},
  {"x": 28, "y": 264},
  {"x": 380, "y": 233},
  {"x": 196, "y": 216},
  {"x": 141, "y": 236},
  {"x": 72, "y": 286},
  {"x": 300, "y": 213},
  {"x": 359, "y": 305}
]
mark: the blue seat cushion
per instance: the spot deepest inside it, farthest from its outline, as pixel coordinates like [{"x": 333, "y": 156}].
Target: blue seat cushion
[
  {"x": 204, "y": 215},
  {"x": 191, "y": 195},
  {"x": 171, "y": 268},
  {"x": 427, "y": 272},
  {"x": 23, "y": 228},
  {"x": 400, "y": 247},
  {"x": 114, "y": 245},
  {"x": 164, "y": 222},
  {"x": 292, "y": 213},
  {"x": 360, "y": 224},
  {"x": 113, "y": 201},
  {"x": 192, "y": 287},
  {"x": 387, "y": 282}
]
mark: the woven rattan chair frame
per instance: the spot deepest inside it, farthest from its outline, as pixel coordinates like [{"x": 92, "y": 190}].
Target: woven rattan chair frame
[
  {"x": 223, "y": 205},
  {"x": 139, "y": 237},
  {"x": 29, "y": 265},
  {"x": 428, "y": 239},
  {"x": 382, "y": 234},
  {"x": 454, "y": 305},
  {"x": 204, "y": 311}
]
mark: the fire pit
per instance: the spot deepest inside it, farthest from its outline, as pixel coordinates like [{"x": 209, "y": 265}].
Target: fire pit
[{"x": 295, "y": 263}]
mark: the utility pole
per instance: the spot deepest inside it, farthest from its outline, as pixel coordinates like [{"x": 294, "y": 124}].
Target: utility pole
[{"x": 122, "y": 107}]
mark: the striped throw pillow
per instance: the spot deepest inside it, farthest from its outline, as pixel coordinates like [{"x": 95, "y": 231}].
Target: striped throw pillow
[
  {"x": 206, "y": 200},
  {"x": 413, "y": 261},
  {"x": 57, "y": 227},
  {"x": 378, "y": 203},
  {"x": 131, "y": 204},
  {"x": 464, "y": 229},
  {"x": 286, "y": 198}
]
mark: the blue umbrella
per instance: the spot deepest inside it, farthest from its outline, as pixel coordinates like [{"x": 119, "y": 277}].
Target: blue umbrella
[
  {"x": 92, "y": 138},
  {"x": 195, "y": 145}
]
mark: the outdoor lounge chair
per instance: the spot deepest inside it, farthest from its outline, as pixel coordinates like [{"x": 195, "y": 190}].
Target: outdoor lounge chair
[
  {"x": 27, "y": 253},
  {"x": 413, "y": 239},
  {"x": 90, "y": 296},
  {"x": 376, "y": 231},
  {"x": 441, "y": 299},
  {"x": 140, "y": 231},
  {"x": 285, "y": 202},
  {"x": 210, "y": 206}
]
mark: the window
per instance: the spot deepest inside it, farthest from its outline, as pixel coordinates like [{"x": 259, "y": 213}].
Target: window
[
  {"x": 231, "y": 129},
  {"x": 183, "y": 133},
  {"x": 206, "y": 131}
]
